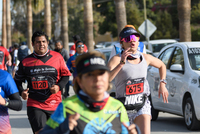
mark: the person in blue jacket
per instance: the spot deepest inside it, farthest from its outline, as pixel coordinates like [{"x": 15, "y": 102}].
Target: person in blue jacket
[
  {"x": 71, "y": 61},
  {"x": 9, "y": 98}
]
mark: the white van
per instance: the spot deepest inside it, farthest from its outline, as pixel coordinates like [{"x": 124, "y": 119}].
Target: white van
[{"x": 156, "y": 45}]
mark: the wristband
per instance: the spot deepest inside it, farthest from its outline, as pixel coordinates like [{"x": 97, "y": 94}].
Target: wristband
[
  {"x": 163, "y": 81},
  {"x": 6, "y": 104},
  {"x": 122, "y": 62}
]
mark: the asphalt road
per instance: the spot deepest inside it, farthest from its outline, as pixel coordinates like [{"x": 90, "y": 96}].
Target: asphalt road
[
  {"x": 170, "y": 124},
  {"x": 165, "y": 124}
]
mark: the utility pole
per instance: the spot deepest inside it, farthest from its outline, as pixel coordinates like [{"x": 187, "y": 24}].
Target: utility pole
[{"x": 146, "y": 25}]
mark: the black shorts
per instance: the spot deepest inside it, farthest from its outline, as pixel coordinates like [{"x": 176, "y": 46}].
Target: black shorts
[{"x": 37, "y": 117}]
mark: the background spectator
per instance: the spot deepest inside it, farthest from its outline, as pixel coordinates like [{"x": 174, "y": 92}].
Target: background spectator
[{"x": 73, "y": 48}]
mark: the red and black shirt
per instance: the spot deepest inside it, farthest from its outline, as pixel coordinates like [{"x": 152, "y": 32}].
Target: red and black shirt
[{"x": 41, "y": 72}]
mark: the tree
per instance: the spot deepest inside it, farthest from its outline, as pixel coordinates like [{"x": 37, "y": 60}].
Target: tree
[
  {"x": 76, "y": 20},
  {"x": 134, "y": 15},
  {"x": 108, "y": 11},
  {"x": 64, "y": 23},
  {"x": 184, "y": 9},
  {"x": 8, "y": 24},
  {"x": 88, "y": 24},
  {"x": 47, "y": 19},
  {"x": 165, "y": 28},
  {"x": 4, "y": 38},
  {"x": 120, "y": 12},
  {"x": 29, "y": 23}
]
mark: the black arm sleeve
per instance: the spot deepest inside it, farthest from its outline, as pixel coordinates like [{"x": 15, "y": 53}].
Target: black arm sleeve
[
  {"x": 61, "y": 129},
  {"x": 19, "y": 78},
  {"x": 63, "y": 81},
  {"x": 15, "y": 102}
]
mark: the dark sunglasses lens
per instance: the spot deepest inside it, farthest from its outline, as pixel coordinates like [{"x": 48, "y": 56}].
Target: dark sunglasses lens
[
  {"x": 127, "y": 39},
  {"x": 80, "y": 46}
]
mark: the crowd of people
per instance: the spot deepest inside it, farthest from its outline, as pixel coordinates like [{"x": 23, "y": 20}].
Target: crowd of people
[{"x": 50, "y": 108}]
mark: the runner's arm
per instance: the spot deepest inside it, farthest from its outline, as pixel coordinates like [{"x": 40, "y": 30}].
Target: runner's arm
[
  {"x": 115, "y": 66},
  {"x": 153, "y": 61},
  {"x": 19, "y": 78},
  {"x": 15, "y": 102},
  {"x": 63, "y": 81},
  {"x": 9, "y": 58}
]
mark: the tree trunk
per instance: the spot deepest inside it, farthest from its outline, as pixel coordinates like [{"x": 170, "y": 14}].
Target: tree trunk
[
  {"x": 29, "y": 23},
  {"x": 47, "y": 18},
  {"x": 120, "y": 12},
  {"x": 184, "y": 11},
  {"x": 4, "y": 38},
  {"x": 64, "y": 24},
  {"x": 88, "y": 24},
  {"x": 8, "y": 22}
]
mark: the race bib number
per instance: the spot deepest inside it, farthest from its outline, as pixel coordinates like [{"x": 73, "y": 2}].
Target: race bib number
[
  {"x": 134, "y": 86},
  {"x": 40, "y": 84}
]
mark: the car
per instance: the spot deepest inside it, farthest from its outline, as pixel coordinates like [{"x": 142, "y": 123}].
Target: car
[
  {"x": 156, "y": 45},
  {"x": 182, "y": 61},
  {"x": 106, "y": 52},
  {"x": 150, "y": 52},
  {"x": 105, "y": 44},
  {"x": 99, "y": 45}
]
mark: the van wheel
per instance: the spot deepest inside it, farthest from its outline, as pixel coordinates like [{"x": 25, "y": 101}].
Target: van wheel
[{"x": 191, "y": 121}]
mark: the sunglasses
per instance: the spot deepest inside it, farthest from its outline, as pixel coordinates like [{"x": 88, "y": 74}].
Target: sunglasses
[
  {"x": 80, "y": 46},
  {"x": 130, "y": 38}
]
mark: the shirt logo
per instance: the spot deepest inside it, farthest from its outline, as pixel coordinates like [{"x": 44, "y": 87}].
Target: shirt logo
[{"x": 133, "y": 99}]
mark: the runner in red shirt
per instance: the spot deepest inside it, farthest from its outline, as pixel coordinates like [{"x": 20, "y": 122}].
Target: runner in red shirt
[
  {"x": 4, "y": 54},
  {"x": 46, "y": 74},
  {"x": 73, "y": 48}
]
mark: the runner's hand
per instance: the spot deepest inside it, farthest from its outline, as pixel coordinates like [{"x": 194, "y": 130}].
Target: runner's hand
[
  {"x": 125, "y": 54},
  {"x": 73, "y": 121},
  {"x": 54, "y": 89},
  {"x": 164, "y": 92},
  {"x": 9, "y": 63},
  {"x": 2, "y": 100},
  {"x": 131, "y": 129},
  {"x": 25, "y": 94}
]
